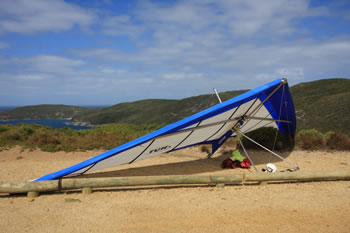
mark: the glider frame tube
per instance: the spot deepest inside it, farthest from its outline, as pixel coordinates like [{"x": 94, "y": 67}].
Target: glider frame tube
[
  {"x": 183, "y": 125},
  {"x": 274, "y": 153}
]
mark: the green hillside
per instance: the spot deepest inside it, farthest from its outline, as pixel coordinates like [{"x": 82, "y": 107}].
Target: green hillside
[
  {"x": 45, "y": 111},
  {"x": 138, "y": 112},
  {"x": 152, "y": 111},
  {"x": 323, "y": 105}
]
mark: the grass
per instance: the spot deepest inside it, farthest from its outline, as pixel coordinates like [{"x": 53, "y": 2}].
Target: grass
[
  {"x": 315, "y": 140},
  {"x": 112, "y": 135},
  {"x": 322, "y": 105},
  {"x": 66, "y": 139},
  {"x": 43, "y": 111}
]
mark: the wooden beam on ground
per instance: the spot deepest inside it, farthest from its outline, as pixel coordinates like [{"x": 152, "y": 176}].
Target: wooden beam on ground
[{"x": 89, "y": 183}]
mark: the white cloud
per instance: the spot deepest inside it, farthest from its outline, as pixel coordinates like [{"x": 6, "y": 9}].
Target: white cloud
[
  {"x": 223, "y": 36},
  {"x": 295, "y": 60},
  {"x": 52, "y": 64},
  {"x": 187, "y": 47},
  {"x": 30, "y": 77},
  {"x": 42, "y": 63},
  {"x": 238, "y": 17},
  {"x": 22, "y": 16},
  {"x": 182, "y": 76},
  {"x": 4, "y": 45},
  {"x": 121, "y": 25}
]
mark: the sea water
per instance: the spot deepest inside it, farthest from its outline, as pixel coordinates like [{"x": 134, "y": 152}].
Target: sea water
[{"x": 53, "y": 123}]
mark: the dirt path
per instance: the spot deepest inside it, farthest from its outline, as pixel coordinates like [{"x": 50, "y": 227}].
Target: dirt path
[{"x": 294, "y": 207}]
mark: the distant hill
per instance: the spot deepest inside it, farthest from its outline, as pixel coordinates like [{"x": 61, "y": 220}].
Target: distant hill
[
  {"x": 323, "y": 105},
  {"x": 152, "y": 111},
  {"x": 45, "y": 111}
]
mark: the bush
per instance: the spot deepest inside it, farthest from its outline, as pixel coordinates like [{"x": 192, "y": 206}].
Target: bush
[
  {"x": 310, "y": 139},
  {"x": 4, "y": 128},
  {"x": 113, "y": 135},
  {"x": 338, "y": 141},
  {"x": 267, "y": 137},
  {"x": 43, "y": 139},
  {"x": 50, "y": 148},
  {"x": 27, "y": 131},
  {"x": 310, "y": 143},
  {"x": 310, "y": 133},
  {"x": 13, "y": 136}
]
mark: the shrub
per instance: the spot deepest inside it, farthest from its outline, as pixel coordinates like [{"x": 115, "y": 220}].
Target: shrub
[
  {"x": 113, "y": 135},
  {"x": 270, "y": 138},
  {"x": 50, "y": 148},
  {"x": 310, "y": 139},
  {"x": 13, "y": 136},
  {"x": 43, "y": 138},
  {"x": 4, "y": 128},
  {"x": 310, "y": 132},
  {"x": 27, "y": 131},
  {"x": 310, "y": 142},
  {"x": 338, "y": 141}
]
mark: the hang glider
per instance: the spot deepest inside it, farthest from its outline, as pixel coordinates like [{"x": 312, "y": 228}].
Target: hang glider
[{"x": 267, "y": 105}]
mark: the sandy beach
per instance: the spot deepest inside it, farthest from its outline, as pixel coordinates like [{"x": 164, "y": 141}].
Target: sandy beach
[{"x": 289, "y": 207}]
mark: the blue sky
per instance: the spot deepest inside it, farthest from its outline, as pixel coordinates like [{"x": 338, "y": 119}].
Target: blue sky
[{"x": 93, "y": 52}]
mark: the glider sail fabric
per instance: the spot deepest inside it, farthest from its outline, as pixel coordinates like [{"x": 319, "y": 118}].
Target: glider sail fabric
[{"x": 267, "y": 105}]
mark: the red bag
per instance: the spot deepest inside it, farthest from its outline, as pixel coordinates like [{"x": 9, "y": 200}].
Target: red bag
[
  {"x": 228, "y": 163},
  {"x": 245, "y": 163}
]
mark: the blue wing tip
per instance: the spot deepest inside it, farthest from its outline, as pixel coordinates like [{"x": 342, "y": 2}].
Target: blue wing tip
[{"x": 46, "y": 177}]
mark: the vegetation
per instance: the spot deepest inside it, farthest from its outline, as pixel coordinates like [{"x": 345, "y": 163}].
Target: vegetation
[
  {"x": 323, "y": 105},
  {"x": 151, "y": 111},
  {"x": 66, "y": 139},
  {"x": 310, "y": 140},
  {"x": 315, "y": 140},
  {"x": 269, "y": 137},
  {"x": 322, "y": 109},
  {"x": 45, "y": 111},
  {"x": 112, "y": 135}
]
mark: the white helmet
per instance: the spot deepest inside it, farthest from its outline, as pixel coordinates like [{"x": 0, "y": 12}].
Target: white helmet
[{"x": 270, "y": 167}]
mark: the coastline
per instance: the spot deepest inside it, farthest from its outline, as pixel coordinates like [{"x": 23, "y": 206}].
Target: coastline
[
  {"x": 81, "y": 123},
  {"x": 54, "y": 123}
]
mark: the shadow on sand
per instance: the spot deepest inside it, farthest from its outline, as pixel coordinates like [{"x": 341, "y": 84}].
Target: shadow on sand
[{"x": 196, "y": 166}]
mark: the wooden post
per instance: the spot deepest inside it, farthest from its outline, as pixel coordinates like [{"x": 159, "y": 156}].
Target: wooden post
[
  {"x": 262, "y": 183},
  {"x": 87, "y": 190},
  {"x": 32, "y": 194},
  {"x": 298, "y": 176},
  {"x": 87, "y": 184},
  {"x": 42, "y": 186}
]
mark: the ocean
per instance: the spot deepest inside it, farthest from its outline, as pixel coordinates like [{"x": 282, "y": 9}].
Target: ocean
[
  {"x": 53, "y": 123},
  {"x": 5, "y": 108}
]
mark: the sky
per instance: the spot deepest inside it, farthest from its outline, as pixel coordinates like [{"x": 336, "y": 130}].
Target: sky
[{"x": 90, "y": 52}]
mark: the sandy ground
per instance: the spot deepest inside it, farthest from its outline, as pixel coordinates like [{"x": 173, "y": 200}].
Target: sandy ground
[{"x": 290, "y": 207}]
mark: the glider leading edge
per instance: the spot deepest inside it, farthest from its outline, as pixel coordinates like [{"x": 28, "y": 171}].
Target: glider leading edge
[{"x": 267, "y": 105}]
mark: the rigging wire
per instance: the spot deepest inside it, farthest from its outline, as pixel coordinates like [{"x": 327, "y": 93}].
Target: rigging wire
[
  {"x": 254, "y": 112},
  {"x": 279, "y": 118}
]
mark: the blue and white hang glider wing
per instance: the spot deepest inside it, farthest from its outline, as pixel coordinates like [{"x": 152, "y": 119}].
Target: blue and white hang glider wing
[{"x": 267, "y": 105}]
